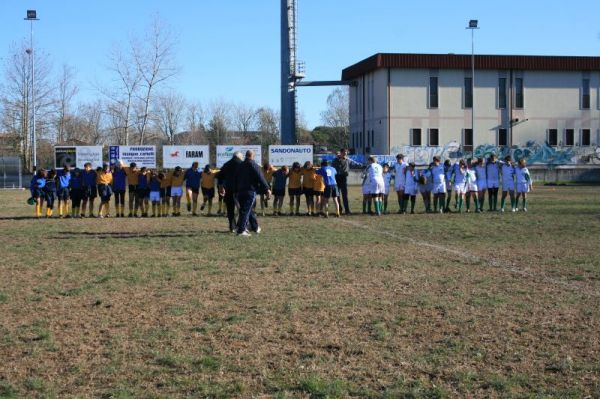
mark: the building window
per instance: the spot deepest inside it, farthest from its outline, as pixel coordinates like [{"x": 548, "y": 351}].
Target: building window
[
  {"x": 415, "y": 137},
  {"x": 434, "y": 137},
  {"x": 586, "y": 137},
  {"x": 519, "y": 93},
  {"x": 502, "y": 137},
  {"x": 553, "y": 137},
  {"x": 585, "y": 94},
  {"x": 433, "y": 92},
  {"x": 468, "y": 139},
  {"x": 502, "y": 93},
  {"x": 570, "y": 137},
  {"x": 468, "y": 93}
]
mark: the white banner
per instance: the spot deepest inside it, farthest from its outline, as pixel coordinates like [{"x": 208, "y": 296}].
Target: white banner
[
  {"x": 77, "y": 156},
  {"x": 225, "y": 153},
  {"x": 280, "y": 155},
  {"x": 185, "y": 155},
  {"x": 142, "y": 155}
]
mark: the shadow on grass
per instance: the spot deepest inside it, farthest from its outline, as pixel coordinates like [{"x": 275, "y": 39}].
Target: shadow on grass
[{"x": 67, "y": 235}]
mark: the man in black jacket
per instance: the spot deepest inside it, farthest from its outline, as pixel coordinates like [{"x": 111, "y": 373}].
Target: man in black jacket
[
  {"x": 226, "y": 184},
  {"x": 342, "y": 167},
  {"x": 249, "y": 181}
]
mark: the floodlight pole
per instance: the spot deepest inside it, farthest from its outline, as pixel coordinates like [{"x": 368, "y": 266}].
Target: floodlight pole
[
  {"x": 473, "y": 24},
  {"x": 32, "y": 16}
]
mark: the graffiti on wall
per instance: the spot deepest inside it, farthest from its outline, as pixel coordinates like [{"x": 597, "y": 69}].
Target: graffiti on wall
[{"x": 534, "y": 152}]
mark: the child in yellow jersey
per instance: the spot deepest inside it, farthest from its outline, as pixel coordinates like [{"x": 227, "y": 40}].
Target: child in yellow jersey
[
  {"x": 176, "y": 178},
  {"x": 165, "y": 193},
  {"x": 308, "y": 182},
  {"x": 295, "y": 188},
  {"x": 319, "y": 191},
  {"x": 207, "y": 183},
  {"x": 104, "y": 179},
  {"x": 267, "y": 171},
  {"x": 132, "y": 173}
]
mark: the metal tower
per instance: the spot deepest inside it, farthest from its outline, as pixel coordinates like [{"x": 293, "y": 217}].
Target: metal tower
[{"x": 288, "y": 71}]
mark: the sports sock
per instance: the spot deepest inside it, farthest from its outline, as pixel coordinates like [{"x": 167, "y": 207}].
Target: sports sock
[
  {"x": 385, "y": 205},
  {"x": 502, "y": 202},
  {"x": 524, "y": 202},
  {"x": 364, "y": 206},
  {"x": 209, "y": 208},
  {"x": 460, "y": 204},
  {"x": 476, "y": 204},
  {"x": 512, "y": 203},
  {"x": 194, "y": 206}
]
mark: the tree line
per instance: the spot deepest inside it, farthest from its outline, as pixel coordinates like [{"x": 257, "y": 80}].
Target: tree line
[{"x": 136, "y": 105}]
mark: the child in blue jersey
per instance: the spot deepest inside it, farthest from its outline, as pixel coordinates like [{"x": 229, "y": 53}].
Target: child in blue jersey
[
  {"x": 438, "y": 179},
  {"x": 425, "y": 187},
  {"x": 76, "y": 192},
  {"x": 411, "y": 186},
  {"x": 492, "y": 174},
  {"x": 331, "y": 189},
  {"x": 508, "y": 183},
  {"x": 90, "y": 190},
  {"x": 119, "y": 186},
  {"x": 387, "y": 184},
  {"x": 480, "y": 171},
  {"x": 459, "y": 178},
  {"x": 472, "y": 188},
  {"x": 62, "y": 191},
  {"x": 143, "y": 193},
  {"x": 50, "y": 192},
  {"x": 448, "y": 172},
  {"x": 192, "y": 178},
  {"x": 155, "y": 192},
  {"x": 278, "y": 184},
  {"x": 37, "y": 191},
  {"x": 523, "y": 183}
]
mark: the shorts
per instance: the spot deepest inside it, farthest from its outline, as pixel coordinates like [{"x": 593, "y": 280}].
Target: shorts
[
  {"x": 386, "y": 190},
  {"x": 280, "y": 192},
  {"x": 508, "y": 186},
  {"x": 122, "y": 192},
  {"x": 176, "y": 191},
  {"x": 208, "y": 192},
  {"x": 376, "y": 187},
  {"x": 154, "y": 196},
  {"x": 63, "y": 194},
  {"x": 49, "y": 196},
  {"x": 163, "y": 192},
  {"x": 142, "y": 192},
  {"x": 331, "y": 191},
  {"x": 319, "y": 193},
  {"x": 522, "y": 187},
  {"x": 424, "y": 189},
  {"x": 105, "y": 191},
  {"x": 133, "y": 188},
  {"x": 194, "y": 190},
  {"x": 294, "y": 192},
  {"x": 37, "y": 193},
  {"x": 439, "y": 188},
  {"x": 90, "y": 192},
  {"x": 460, "y": 188},
  {"x": 399, "y": 186},
  {"x": 308, "y": 192},
  {"x": 493, "y": 184},
  {"x": 482, "y": 185},
  {"x": 410, "y": 191},
  {"x": 168, "y": 191},
  {"x": 472, "y": 188}
]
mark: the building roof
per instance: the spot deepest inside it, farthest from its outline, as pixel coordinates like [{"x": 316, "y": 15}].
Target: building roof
[{"x": 463, "y": 61}]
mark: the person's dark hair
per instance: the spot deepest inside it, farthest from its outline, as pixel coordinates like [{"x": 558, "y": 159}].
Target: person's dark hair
[
  {"x": 207, "y": 169},
  {"x": 87, "y": 164},
  {"x": 177, "y": 168},
  {"x": 508, "y": 158},
  {"x": 52, "y": 174},
  {"x": 436, "y": 159},
  {"x": 194, "y": 165},
  {"x": 447, "y": 162},
  {"x": 324, "y": 162},
  {"x": 296, "y": 165},
  {"x": 161, "y": 175},
  {"x": 132, "y": 165},
  {"x": 400, "y": 156}
]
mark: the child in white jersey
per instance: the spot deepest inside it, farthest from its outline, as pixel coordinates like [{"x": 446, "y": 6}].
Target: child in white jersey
[
  {"x": 459, "y": 178},
  {"x": 375, "y": 184},
  {"x": 410, "y": 187},
  {"x": 508, "y": 183},
  {"x": 492, "y": 174},
  {"x": 472, "y": 188},
  {"x": 448, "y": 171},
  {"x": 425, "y": 187},
  {"x": 438, "y": 177},
  {"x": 523, "y": 183},
  {"x": 399, "y": 180}
]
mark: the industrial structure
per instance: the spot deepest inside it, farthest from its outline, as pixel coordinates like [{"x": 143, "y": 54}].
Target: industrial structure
[{"x": 426, "y": 100}]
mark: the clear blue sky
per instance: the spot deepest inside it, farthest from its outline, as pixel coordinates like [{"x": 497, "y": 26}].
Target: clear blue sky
[{"x": 230, "y": 48}]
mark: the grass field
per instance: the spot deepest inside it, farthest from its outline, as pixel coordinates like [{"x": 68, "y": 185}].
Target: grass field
[{"x": 418, "y": 306}]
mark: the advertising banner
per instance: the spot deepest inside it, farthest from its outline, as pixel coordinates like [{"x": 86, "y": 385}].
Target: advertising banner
[
  {"x": 225, "y": 152},
  {"x": 77, "y": 156},
  {"x": 280, "y": 155},
  {"x": 185, "y": 155},
  {"x": 142, "y": 155}
]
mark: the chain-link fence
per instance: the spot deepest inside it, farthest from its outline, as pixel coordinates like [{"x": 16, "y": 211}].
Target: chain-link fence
[{"x": 10, "y": 172}]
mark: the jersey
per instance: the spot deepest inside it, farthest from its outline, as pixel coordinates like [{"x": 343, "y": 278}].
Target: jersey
[
  {"x": 176, "y": 180},
  {"x": 63, "y": 179},
  {"x": 76, "y": 182},
  {"x": 400, "y": 174},
  {"x": 279, "y": 180},
  {"x": 208, "y": 179},
  {"x": 481, "y": 172},
  {"x": 133, "y": 176},
  {"x": 295, "y": 179},
  {"x": 143, "y": 180},
  {"x": 459, "y": 176},
  {"x": 308, "y": 178},
  {"x": 89, "y": 178},
  {"x": 154, "y": 183},
  {"x": 104, "y": 178},
  {"x": 438, "y": 175},
  {"x": 522, "y": 175},
  {"x": 411, "y": 181},
  {"x": 387, "y": 181},
  {"x": 165, "y": 181},
  {"x": 319, "y": 185},
  {"x": 119, "y": 179},
  {"x": 328, "y": 173},
  {"x": 508, "y": 176},
  {"x": 268, "y": 174},
  {"x": 192, "y": 178}
]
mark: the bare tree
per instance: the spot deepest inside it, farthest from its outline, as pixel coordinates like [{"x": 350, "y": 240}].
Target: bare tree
[
  {"x": 219, "y": 124},
  {"x": 196, "y": 131},
  {"x": 154, "y": 58},
  {"x": 267, "y": 126},
  {"x": 15, "y": 98},
  {"x": 337, "y": 116},
  {"x": 169, "y": 113},
  {"x": 244, "y": 119},
  {"x": 87, "y": 126},
  {"x": 67, "y": 89}
]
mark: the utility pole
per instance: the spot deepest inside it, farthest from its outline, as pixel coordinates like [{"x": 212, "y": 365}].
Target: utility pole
[
  {"x": 473, "y": 24},
  {"x": 32, "y": 16}
]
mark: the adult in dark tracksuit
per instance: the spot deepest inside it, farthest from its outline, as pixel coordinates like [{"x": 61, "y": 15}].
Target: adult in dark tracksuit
[
  {"x": 342, "y": 167},
  {"x": 226, "y": 184},
  {"x": 249, "y": 181}
]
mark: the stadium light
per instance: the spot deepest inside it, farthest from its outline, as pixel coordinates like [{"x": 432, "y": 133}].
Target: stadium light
[
  {"x": 32, "y": 16},
  {"x": 473, "y": 24}
]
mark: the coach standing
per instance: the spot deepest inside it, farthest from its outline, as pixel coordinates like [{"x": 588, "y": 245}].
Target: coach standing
[
  {"x": 249, "y": 181},
  {"x": 226, "y": 183},
  {"x": 342, "y": 168}
]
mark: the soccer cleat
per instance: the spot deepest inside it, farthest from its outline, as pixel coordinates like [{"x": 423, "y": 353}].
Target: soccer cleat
[
  {"x": 524, "y": 209},
  {"x": 502, "y": 210},
  {"x": 202, "y": 207},
  {"x": 243, "y": 234},
  {"x": 514, "y": 209},
  {"x": 258, "y": 230}
]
